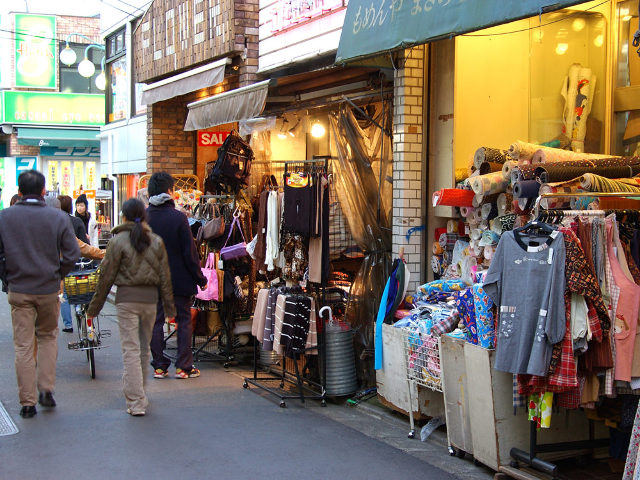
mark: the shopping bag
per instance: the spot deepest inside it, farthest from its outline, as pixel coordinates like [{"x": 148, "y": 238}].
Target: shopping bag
[{"x": 210, "y": 273}]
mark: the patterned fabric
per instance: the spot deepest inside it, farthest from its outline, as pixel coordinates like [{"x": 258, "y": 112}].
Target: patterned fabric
[
  {"x": 447, "y": 325},
  {"x": 466, "y": 308},
  {"x": 540, "y": 408},
  {"x": 632, "y": 454},
  {"x": 569, "y": 399},
  {"x": 295, "y": 257},
  {"x": 614, "y": 296},
  {"x": 597, "y": 183},
  {"x": 519, "y": 400},
  {"x": 484, "y": 317},
  {"x": 633, "y": 268}
]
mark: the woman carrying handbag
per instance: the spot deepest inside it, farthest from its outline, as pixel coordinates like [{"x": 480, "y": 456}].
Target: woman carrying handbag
[{"x": 136, "y": 261}]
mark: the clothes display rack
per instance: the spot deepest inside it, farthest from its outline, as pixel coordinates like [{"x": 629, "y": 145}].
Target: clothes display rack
[
  {"x": 305, "y": 388},
  {"x": 531, "y": 457}
]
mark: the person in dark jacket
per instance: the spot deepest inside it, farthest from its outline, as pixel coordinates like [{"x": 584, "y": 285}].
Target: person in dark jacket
[
  {"x": 39, "y": 249},
  {"x": 173, "y": 227},
  {"x": 77, "y": 223}
]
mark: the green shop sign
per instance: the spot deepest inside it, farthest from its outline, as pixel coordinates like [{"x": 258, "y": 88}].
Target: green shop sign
[
  {"x": 35, "y": 51},
  {"x": 43, "y": 108}
]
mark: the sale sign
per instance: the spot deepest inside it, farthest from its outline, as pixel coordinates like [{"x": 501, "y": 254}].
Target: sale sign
[{"x": 212, "y": 139}]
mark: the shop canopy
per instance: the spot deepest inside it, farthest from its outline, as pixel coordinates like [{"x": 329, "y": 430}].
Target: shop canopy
[
  {"x": 377, "y": 26},
  {"x": 58, "y": 137},
  {"x": 232, "y": 106},
  {"x": 201, "y": 77}
]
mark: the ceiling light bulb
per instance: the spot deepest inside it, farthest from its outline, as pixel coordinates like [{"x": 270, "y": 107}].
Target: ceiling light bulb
[
  {"x": 281, "y": 135},
  {"x": 101, "y": 81},
  {"x": 86, "y": 68},
  {"x": 598, "y": 41},
  {"x": 317, "y": 130},
  {"x": 68, "y": 56},
  {"x": 578, "y": 24}
]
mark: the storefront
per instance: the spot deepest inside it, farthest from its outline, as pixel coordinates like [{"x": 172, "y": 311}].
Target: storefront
[{"x": 502, "y": 103}]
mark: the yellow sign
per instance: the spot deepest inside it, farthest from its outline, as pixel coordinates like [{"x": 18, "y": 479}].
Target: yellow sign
[
  {"x": 91, "y": 176},
  {"x": 78, "y": 174},
  {"x": 65, "y": 174},
  {"x": 52, "y": 175}
]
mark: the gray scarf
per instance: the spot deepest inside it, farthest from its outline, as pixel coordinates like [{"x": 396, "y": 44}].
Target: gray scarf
[{"x": 159, "y": 199}]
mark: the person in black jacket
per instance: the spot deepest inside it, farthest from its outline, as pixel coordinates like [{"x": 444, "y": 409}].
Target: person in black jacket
[{"x": 173, "y": 227}]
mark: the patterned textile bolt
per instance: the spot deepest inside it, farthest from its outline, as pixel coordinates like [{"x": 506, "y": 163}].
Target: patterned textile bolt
[
  {"x": 464, "y": 303},
  {"x": 488, "y": 154},
  {"x": 484, "y": 317},
  {"x": 540, "y": 408}
]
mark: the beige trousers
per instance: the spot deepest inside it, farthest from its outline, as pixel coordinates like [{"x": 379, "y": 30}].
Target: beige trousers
[
  {"x": 35, "y": 325},
  {"x": 135, "y": 321}
]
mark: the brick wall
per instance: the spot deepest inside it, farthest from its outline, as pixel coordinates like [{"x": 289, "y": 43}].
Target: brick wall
[
  {"x": 15, "y": 150},
  {"x": 246, "y": 21},
  {"x": 169, "y": 147},
  {"x": 408, "y": 162}
]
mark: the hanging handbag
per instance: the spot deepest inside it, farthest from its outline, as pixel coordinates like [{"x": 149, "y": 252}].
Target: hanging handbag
[
  {"x": 210, "y": 273},
  {"x": 238, "y": 250},
  {"x": 214, "y": 228}
]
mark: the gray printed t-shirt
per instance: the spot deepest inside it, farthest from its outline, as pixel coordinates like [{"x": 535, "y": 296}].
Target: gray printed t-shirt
[{"x": 526, "y": 281}]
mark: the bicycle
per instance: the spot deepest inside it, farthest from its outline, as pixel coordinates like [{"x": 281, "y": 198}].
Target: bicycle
[{"x": 80, "y": 286}]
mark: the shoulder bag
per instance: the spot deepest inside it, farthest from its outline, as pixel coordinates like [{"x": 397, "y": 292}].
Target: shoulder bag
[{"x": 238, "y": 250}]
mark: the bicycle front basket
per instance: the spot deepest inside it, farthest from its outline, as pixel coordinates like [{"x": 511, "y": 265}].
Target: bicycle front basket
[{"x": 80, "y": 286}]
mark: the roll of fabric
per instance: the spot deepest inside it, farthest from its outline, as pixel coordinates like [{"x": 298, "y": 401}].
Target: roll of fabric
[
  {"x": 448, "y": 240},
  {"x": 516, "y": 175},
  {"x": 527, "y": 172},
  {"x": 504, "y": 204},
  {"x": 597, "y": 183},
  {"x": 507, "y": 221},
  {"x": 437, "y": 248},
  {"x": 489, "y": 251},
  {"x": 557, "y": 203},
  {"x": 520, "y": 150},
  {"x": 489, "y": 167},
  {"x": 437, "y": 264},
  {"x": 466, "y": 211},
  {"x": 489, "y": 184},
  {"x": 507, "y": 168},
  {"x": 484, "y": 225},
  {"x": 447, "y": 256},
  {"x": 551, "y": 155},
  {"x": 475, "y": 249},
  {"x": 496, "y": 225},
  {"x": 476, "y": 216},
  {"x": 493, "y": 213},
  {"x": 526, "y": 189},
  {"x": 581, "y": 203},
  {"x": 486, "y": 210},
  {"x": 477, "y": 200},
  {"x": 558, "y": 172},
  {"x": 453, "y": 197},
  {"x": 488, "y": 154},
  {"x": 475, "y": 234},
  {"x": 522, "y": 206}
]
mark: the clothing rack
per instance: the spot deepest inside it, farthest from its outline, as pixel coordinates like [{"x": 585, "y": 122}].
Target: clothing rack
[
  {"x": 312, "y": 389},
  {"x": 530, "y": 458}
]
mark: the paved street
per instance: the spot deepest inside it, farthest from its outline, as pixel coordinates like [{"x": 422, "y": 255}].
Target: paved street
[{"x": 208, "y": 427}]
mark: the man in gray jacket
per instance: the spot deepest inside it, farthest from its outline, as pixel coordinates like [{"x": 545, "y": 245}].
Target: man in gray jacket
[{"x": 40, "y": 248}]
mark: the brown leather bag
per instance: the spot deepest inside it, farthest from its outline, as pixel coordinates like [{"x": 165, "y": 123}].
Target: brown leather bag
[{"x": 214, "y": 228}]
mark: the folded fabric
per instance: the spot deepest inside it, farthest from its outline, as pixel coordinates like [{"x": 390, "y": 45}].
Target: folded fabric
[
  {"x": 447, "y": 325},
  {"x": 442, "y": 286},
  {"x": 484, "y": 316},
  {"x": 464, "y": 304},
  {"x": 488, "y": 154},
  {"x": 453, "y": 197}
]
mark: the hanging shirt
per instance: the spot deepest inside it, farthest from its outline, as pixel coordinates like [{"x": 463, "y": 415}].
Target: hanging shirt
[{"x": 526, "y": 281}]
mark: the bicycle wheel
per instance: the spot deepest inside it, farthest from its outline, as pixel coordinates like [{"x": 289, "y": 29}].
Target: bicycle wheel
[{"x": 92, "y": 362}]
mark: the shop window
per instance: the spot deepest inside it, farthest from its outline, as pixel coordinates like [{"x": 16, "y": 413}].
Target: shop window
[
  {"x": 510, "y": 82},
  {"x": 626, "y": 132},
  {"x": 117, "y": 94},
  {"x": 70, "y": 79}
]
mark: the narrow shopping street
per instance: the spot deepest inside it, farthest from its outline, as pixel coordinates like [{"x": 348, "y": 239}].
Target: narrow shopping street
[{"x": 208, "y": 427}]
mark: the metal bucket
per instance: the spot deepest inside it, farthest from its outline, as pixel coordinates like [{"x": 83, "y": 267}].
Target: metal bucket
[
  {"x": 268, "y": 358},
  {"x": 340, "y": 363}
]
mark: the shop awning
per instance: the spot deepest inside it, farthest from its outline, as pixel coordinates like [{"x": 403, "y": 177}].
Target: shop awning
[
  {"x": 232, "y": 106},
  {"x": 201, "y": 77},
  {"x": 375, "y": 26},
  {"x": 58, "y": 137}
]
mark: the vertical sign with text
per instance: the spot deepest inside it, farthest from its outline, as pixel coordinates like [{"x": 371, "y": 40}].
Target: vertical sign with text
[
  {"x": 78, "y": 174},
  {"x": 35, "y": 51},
  {"x": 25, "y": 163},
  {"x": 52, "y": 175},
  {"x": 91, "y": 176},
  {"x": 65, "y": 175}
]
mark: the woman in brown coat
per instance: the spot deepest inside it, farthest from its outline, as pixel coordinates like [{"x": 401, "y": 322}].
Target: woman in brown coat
[{"x": 136, "y": 261}]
